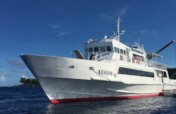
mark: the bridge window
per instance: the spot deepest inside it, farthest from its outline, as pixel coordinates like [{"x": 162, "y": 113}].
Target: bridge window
[
  {"x": 116, "y": 49},
  {"x": 102, "y": 49},
  {"x": 95, "y": 49},
  {"x": 90, "y": 49},
  {"x": 108, "y": 48}
]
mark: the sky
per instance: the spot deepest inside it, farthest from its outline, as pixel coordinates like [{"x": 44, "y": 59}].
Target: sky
[{"x": 56, "y": 27}]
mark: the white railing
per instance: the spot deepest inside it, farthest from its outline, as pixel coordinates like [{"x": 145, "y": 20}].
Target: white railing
[
  {"x": 104, "y": 55},
  {"x": 156, "y": 65}
]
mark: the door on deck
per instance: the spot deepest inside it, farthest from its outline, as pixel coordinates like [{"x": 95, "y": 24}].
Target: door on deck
[{"x": 161, "y": 75}]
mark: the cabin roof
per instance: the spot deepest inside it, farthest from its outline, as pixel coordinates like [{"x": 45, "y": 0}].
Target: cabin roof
[{"x": 105, "y": 42}]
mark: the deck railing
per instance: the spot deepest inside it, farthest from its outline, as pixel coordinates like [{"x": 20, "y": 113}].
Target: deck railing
[
  {"x": 156, "y": 65},
  {"x": 104, "y": 55}
]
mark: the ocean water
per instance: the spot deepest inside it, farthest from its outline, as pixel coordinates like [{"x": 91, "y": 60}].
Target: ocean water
[{"x": 32, "y": 100}]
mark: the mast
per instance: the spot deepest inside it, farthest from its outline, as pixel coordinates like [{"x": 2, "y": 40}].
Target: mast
[{"x": 118, "y": 32}]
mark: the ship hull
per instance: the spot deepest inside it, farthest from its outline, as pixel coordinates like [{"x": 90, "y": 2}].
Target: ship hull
[
  {"x": 70, "y": 80},
  {"x": 74, "y": 90}
]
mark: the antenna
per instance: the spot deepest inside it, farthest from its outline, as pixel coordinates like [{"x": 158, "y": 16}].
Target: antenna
[
  {"x": 118, "y": 29},
  {"x": 138, "y": 41}
]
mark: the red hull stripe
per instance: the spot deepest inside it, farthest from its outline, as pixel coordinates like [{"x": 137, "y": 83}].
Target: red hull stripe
[{"x": 55, "y": 101}]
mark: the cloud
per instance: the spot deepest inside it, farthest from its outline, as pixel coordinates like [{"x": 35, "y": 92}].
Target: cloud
[
  {"x": 55, "y": 26},
  {"x": 172, "y": 26},
  {"x": 59, "y": 30},
  {"x": 16, "y": 63},
  {"x": 105, "y": 16},
  {"x": 24, "y": 76},
  {"x": 148, "y": 32},
  {"x": 122, "y": 12},
  {"x": 64, "y": 33},
  {"x": 17, "y": 68},
  {"x": 118, "y": 12},
  {"x": 6, "y": 74},
  {"x": 1, "y": 68},
  {"x": 2, "y": 77}
]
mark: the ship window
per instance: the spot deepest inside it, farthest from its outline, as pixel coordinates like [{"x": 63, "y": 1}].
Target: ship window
[
  {"x": 161, "y": 73},
  {"x": 124, "y": 52},
  {"x": 116, "y": 50},
  {"x": 108, "y": 48},
  {"x": 141, "y": 58},
  {"x": 90, "y": 49},
  {"x": 102, "y": 49},
  {"x": 95, "y": 49},
  {"x": 149, "y": 74},
  {"x": 121, "y": 51},
  {"x": 135, "y": 72}
]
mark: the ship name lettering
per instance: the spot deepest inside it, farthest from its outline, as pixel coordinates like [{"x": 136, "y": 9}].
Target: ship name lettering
[{"x": 104, "y": 72}]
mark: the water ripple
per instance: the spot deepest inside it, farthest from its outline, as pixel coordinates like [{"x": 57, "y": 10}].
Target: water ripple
[{"x": 32, "y": 100}]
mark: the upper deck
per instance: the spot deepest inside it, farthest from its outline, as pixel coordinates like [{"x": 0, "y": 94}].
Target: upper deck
[
  {"x": 110, "y": 49},
  {"x": 113, "y": 49}
]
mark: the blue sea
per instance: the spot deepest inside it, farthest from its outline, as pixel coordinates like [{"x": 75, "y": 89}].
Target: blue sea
[{"x": 32, "y": 100}]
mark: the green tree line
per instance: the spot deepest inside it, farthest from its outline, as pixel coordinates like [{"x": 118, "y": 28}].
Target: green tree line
[{"x": 29, "y": 81}]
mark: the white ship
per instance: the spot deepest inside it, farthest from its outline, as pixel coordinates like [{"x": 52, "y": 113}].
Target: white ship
[{"x": 109, "y": 70}]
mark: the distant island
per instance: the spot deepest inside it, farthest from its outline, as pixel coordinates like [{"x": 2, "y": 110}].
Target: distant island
[{"x": 28, "y": 82}]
